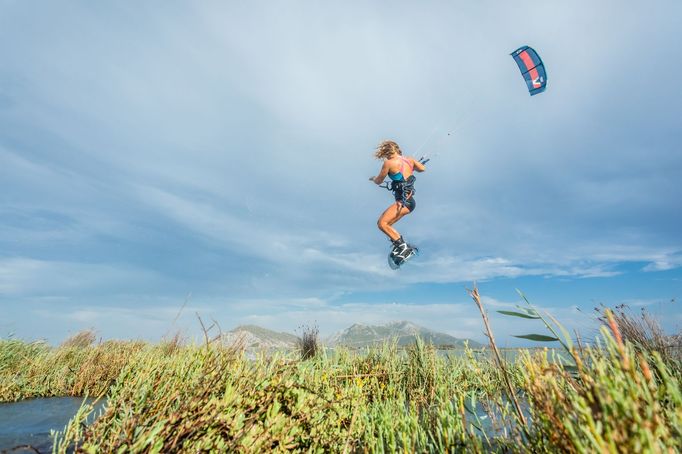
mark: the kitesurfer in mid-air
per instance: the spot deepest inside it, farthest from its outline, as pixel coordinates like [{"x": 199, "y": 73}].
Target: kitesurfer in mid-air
[{"x": 400, "y": 170}]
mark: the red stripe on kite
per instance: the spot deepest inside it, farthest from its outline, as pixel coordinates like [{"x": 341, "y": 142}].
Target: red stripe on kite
[
  {"x": 529, "y": 64},
  {"x": 526, "y": 59}
]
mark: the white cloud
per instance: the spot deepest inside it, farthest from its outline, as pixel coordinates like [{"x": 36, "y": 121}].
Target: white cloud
[{"x": 665, "y": 262}]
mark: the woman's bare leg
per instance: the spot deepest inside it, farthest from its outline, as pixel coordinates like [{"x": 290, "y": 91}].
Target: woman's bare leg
[{"x": 389, "y": 217}]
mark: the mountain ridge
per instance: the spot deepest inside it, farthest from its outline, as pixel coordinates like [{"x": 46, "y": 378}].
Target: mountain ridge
[
  {"x": 358, "y": 335},
  {"x": 403, "y": 332},
  {"x": 256, "y": 337}
]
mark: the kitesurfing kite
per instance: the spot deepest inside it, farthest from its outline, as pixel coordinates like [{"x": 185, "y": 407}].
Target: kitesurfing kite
[{"x": 532, "y": 69}]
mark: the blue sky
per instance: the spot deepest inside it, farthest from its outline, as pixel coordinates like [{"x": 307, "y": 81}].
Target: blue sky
[{"x": 214, "y": 157}]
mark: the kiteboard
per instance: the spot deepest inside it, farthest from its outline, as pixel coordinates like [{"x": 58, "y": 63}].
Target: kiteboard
[{"x": 394, "y": 266}]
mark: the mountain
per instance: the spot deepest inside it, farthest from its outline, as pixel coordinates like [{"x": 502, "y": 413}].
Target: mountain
[
  {"x": 255, "y": 337},
  {"x": 404, "y": 332}
]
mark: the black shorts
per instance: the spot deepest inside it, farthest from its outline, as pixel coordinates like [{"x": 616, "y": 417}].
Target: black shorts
[
  {"x": 410, "y": 203},
  {"x": 402, "y": 188}
]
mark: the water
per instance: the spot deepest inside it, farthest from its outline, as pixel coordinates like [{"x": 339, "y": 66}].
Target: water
[
  {"x": 28, "y": 422},
  {"x": 508, "y": 354},
  {"x": 488, "y": 418}
]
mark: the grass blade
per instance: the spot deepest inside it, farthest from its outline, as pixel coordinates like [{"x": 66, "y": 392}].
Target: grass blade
[
  {"x": 538, "y": 337},
  {"x": 518, "y": 314}
]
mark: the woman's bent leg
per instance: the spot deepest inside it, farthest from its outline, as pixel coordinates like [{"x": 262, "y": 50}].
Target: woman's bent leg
[{"x": 389, "y": 217}]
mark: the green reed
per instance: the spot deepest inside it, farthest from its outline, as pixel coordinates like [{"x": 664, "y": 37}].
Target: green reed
[{"x": 212, "y": 398}]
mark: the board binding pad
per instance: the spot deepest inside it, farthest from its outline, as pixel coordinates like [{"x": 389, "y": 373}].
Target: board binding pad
[{"x": 395, "y": 266}]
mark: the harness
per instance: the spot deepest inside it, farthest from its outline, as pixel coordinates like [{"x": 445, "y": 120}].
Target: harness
[{"x": 403, "y": 189}]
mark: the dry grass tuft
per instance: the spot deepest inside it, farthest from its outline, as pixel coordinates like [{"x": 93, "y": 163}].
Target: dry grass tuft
[
  {"x": 643, "y": 331},
  {"x": 81, "y": 339},
  {"x": 309, "y": 343},
  {"x": 172, "y": 345}
]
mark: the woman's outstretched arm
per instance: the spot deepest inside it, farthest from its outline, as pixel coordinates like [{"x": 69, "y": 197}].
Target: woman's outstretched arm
[{"x": 382, "y": 174}]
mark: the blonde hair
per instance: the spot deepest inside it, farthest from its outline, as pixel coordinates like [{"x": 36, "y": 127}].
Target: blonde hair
[{"x": 386, "y": 149}]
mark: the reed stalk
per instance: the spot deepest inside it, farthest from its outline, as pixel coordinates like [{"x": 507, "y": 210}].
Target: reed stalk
[{"x": 511, "y": 394}]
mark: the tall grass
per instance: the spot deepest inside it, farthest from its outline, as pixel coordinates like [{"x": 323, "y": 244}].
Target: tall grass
[
  {"x": 643, "y": 332},
  {"x": 621, "y": 400},
  {"x": 212, "y": 398},
  {"x": 175, "y": 397},
  {"x": 36, "y": 370}
]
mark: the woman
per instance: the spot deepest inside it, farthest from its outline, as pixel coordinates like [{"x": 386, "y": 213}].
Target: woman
[{"x": 400, "y": 170}]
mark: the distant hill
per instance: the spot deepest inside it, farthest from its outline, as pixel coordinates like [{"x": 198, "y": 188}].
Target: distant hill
[
  {"x": 404, "y": 332},
  {"x": 255, "y": 337}
]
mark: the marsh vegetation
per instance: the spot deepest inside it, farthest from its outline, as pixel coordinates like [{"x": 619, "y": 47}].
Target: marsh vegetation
[{"x": 612, "y": 396}]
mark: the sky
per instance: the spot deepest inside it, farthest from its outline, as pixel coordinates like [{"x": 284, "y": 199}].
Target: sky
[{"x": 164, "y": 161}]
